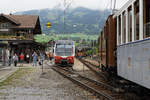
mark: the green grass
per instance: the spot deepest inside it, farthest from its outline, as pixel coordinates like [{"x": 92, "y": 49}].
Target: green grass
[
  {"x": 78, "y": 35},
  {"x": 74, "y": 36},
  {"x": 16, "y": 75}
]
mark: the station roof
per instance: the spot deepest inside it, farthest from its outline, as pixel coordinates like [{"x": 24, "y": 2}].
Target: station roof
[{"x": 22, "y": 21}]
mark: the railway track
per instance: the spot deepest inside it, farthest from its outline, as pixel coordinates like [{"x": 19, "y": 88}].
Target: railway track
[
  {"x": 99, "y": 89},
  {"x": 128, "y": 96}
]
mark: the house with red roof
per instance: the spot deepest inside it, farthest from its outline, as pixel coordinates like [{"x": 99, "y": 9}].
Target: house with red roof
[{"x": 17, "y": 35}]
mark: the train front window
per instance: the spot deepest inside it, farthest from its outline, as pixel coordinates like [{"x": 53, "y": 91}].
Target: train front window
[
  {"x": 64, "y": 50},
  {"x": 146, "y": 18}
]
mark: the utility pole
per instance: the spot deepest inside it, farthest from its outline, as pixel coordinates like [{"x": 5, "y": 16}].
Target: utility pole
[
  {"x": 113, "y": 10},
  {"x": 114, "y": 4},
  {"x": 66, "y": 6},
  {"x": 64, "y": 15}
]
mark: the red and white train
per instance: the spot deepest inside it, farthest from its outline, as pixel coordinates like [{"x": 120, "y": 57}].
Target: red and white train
[{"x": 64, "y": 52}]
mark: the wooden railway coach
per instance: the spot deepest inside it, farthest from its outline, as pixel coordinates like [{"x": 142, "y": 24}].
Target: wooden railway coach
[
  {"x": 125, "y": 41},
  {"x": 107, "y": 46}
]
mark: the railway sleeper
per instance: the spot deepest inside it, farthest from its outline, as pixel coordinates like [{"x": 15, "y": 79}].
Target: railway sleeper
[
  {"x": 89, "y": 88},
  {"x": 125, "y": 85}
]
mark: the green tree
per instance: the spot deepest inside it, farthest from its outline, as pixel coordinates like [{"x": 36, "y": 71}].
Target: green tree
[{"x": 43, "y": 38}]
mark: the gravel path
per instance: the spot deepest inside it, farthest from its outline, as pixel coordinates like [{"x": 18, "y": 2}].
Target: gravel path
[{"x": 47, "y": 86}]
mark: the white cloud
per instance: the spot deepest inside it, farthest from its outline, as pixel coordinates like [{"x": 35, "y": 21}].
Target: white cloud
[{"x": 10, "y": 6}]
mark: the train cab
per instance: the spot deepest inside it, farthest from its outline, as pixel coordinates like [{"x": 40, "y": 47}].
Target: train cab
[{"x": 64, "y": 52}]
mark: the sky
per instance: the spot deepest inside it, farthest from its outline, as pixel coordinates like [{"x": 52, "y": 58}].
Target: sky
[{"x": 11, "y": 6}]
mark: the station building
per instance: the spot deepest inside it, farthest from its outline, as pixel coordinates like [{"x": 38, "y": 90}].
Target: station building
[{"x": 17, "y": 35}]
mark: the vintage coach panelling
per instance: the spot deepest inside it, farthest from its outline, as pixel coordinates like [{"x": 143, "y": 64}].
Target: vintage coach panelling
[{"x": 107, "y": 44}]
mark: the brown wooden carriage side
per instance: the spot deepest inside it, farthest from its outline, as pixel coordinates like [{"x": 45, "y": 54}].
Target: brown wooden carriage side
[{"x": 107, "y": 45}]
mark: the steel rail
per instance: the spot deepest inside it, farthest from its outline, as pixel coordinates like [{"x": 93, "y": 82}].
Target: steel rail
[
  {"x": 97, "y": 88},
  {"x": 96, "y": 82},
  {"x": 96, "y": 72}
]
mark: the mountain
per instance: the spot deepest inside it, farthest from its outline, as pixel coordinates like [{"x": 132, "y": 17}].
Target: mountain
[{"x": 77, "y": 20}]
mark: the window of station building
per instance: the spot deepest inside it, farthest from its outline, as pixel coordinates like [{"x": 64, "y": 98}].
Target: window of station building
[
  {"x": 1, "y": 25},
  {"x": 4, "y": 25},
  {"x": 119, "y": 35},
  {"x": 130, "y": 24},
  {"x": 124, "y": 27},
  {"x": 146, "y": 18},
  {"x": 136, "y": 20}
]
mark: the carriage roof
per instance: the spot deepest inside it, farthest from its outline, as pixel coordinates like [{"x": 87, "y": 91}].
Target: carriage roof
[{"x": 124, "y": 7}]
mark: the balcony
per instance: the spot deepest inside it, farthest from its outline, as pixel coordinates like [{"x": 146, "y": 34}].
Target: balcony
[{"x": 15, "y": 38}]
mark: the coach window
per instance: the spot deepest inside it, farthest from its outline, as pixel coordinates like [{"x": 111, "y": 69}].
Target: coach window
[
  {"x": 115, "y": 25},
  {"x": 124, "y": 27},
  {"x": 137, "y": 20},
  {"x": 146, "y": 18},
  {"x": 130, "y": 24},
  {"x": 119, "y": 35},
  {"x": 104, "y": 41}
]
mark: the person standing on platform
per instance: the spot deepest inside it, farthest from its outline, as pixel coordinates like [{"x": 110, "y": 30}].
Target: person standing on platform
[
  {"x": 9, "y": 60},
  {"x": 21, "y": 59},
  {"x": 34, "y": 55},
  {"x": 15, "y": 58}
]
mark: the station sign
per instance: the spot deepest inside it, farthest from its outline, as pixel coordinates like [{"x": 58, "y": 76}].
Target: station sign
[{"x": 48, "y": 25}]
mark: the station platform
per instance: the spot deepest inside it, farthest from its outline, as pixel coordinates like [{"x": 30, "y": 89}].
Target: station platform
[{"x": 6, "y": 72}]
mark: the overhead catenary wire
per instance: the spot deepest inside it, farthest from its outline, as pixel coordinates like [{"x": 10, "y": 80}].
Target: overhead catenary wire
[
  {"x": 112, "y": 6},
  {"x": 106, "y": 7},
  {"x": 109, "y": 5}
]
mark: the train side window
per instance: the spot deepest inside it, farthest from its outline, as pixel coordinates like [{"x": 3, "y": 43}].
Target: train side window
[
  {"x": 124, "y": 27},
  {"x": 146, "y": 18},
  {"x": 115, "y": 26},
  {"x": 119, "y": 35},
  {"x": 136, "y": 20},
  {"x": 104, "y": 41},
  {"x": 130, "y": 24}
]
